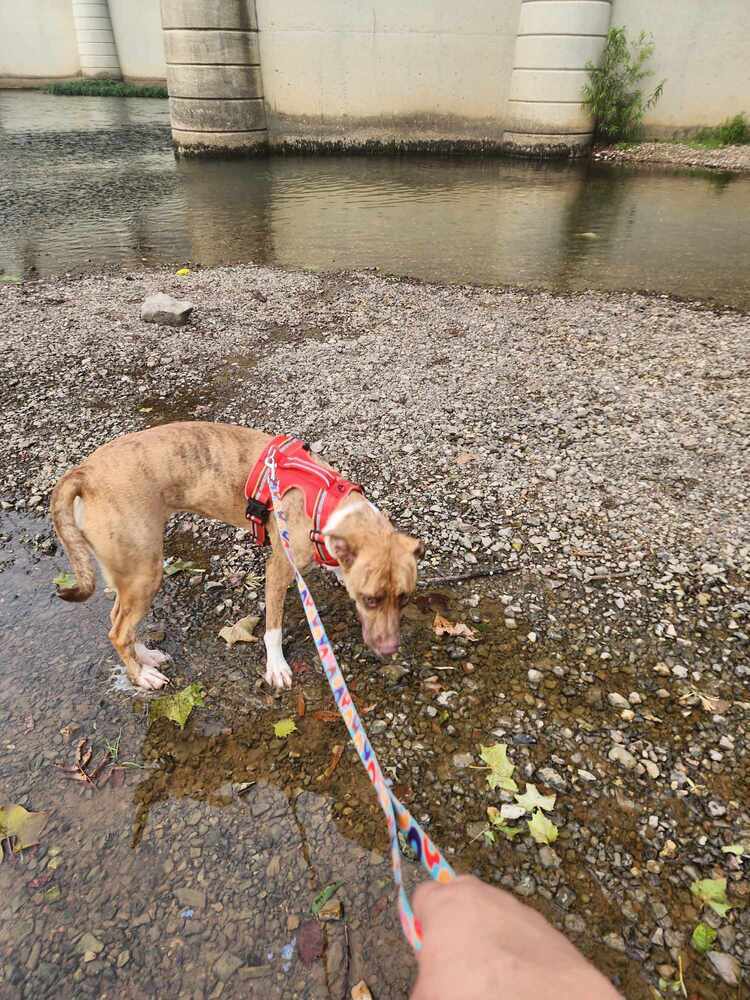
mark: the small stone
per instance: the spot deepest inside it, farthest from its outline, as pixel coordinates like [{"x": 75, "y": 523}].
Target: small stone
[
  {"x": 123, "y": 958},
  {"x": 623, "y": 756},
  {"x": 255, "y": 971},
  {"x": 680, "y": 671},
  {"x": 87, "y": 944},
  {"x": 226, "y": 966},
  {"x": 615, "y": 941},
  {"x": 726, "y": 966},
  {"x": 292, "y": 922},
  {"x": 574, "y": 923},
  {"x": 617, "y": 701},
  {"x": 652, "y": 768},
  {"x": 548, "y": 857},
  {"x": 331, "y": 911},
  {"x": 716, "y": 809},
  {"x": 550, "y": 777},
  {"x": 462, "y": 760},
  {"x": 535, "y": 677},
  {"x": 194, "y": 899},
  {"x": 165, "y": 310}
]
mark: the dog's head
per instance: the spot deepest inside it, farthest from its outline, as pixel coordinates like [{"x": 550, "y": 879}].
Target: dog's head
[{"x": 379, "y": 567}]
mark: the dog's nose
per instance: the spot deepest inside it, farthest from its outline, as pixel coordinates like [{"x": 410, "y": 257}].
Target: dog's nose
[{"x": 388, "y": 647}]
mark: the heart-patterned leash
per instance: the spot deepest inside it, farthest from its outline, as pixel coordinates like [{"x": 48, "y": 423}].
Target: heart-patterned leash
[{"x": 398, "y": 817}]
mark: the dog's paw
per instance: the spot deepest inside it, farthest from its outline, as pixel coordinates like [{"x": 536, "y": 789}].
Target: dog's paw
[
  {"x": 151, "y": 679},
  {"x": 150, "y": 657},
  {"x": 278, "y": 674}
]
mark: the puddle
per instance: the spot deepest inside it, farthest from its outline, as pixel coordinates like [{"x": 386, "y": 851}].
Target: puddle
[
  {"x": 200, "y": 869},
  {"x": 92, "y": 182}
]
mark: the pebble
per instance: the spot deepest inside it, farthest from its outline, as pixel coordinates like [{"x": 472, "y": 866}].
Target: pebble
[
  {"x": 551, "y": 777},
  {"x": 548, "y": 857},
  {"x": 727, "y": 967},
  {"x": 622, "y": 756},
  {"x": 617, "y": 700},
  {"x": 535, "y": 677},
  {"x": 166, "y": 310}
]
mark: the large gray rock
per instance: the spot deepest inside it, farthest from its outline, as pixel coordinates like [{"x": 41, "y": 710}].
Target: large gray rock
[{"x": 165, "y": 310}]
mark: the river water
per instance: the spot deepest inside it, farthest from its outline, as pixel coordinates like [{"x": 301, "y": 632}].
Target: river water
[{"x": 87, "y": 181}]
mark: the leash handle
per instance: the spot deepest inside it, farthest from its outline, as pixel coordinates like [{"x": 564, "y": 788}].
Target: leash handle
[{"x": 398, "y": 817}]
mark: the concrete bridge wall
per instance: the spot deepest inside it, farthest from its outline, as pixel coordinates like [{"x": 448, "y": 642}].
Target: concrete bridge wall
[{"x": 414, "y": 69}]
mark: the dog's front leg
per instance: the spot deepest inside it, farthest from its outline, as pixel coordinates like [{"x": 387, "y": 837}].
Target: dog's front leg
[{"x": 278, "y": 577}]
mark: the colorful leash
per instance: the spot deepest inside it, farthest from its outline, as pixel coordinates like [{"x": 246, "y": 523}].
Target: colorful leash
[{"x": 397, "y": 815}]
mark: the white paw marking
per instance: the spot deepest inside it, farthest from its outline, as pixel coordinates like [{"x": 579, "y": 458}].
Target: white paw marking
[
  {"x": 150, "y": 657},
  {"x": 151, "y": 679},
  {"x": 278, "y": 674}
]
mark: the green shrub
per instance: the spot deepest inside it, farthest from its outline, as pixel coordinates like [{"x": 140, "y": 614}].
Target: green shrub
[
  {"x": 102, "y": 88},
  {"x": 732, "y": 132},
  {"x": 613, "y": 93}
]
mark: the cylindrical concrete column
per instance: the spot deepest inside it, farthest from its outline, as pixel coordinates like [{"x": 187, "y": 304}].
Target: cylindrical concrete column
[
  {"x": 556, "y": 38},
  {"x": 96, "y": 41},
  {"x": 213, "y": 75}
]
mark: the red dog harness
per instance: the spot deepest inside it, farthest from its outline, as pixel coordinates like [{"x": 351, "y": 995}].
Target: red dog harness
[{"x": 322, "y": 489}]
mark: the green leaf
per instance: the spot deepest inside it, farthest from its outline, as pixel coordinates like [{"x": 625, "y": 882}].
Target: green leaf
[
  {"x": 712, "y": 892},
  {"x": 10, "y": 279},
  {"x": 703, "y": 938},
  {"x": 737, "y": 849},
  {"x": 501, "y": 769},
  {"x": 23, "y": 827},
  {"x": 178, "y": 706},
  {"x": 323, "y": 896},
  {"x": 543, "y": 830},
  {"x": 495, "y": 817},
  {"x": 284, "y": 728},
  {"x": 181, "y": 566},
  {"x": 532, "y": 799},
  {"x": 489, "y": 837},
  {"x": 64, "y": 581}
]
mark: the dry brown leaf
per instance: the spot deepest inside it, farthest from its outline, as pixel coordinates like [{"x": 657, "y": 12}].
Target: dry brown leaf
[
  {"x": 464, "y": 457},
  {"x": 441, "y": 626},
  {"x": 335, "y": 758},
  {"x": 241, "y": 631},
  {"x": 301, "y": 707},
  {"x": 326, "y": 715},
  {"x": 361, "y": 991}
]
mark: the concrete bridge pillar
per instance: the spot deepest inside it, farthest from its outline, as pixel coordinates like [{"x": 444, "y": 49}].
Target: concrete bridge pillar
[
  {"x": 97, "y": 50},
  {"x": 556, "y": 38},
  {"x": 213, "y": 76}
]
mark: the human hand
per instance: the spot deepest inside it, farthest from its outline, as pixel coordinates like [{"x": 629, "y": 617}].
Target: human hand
[{"x": 481, "y": 943}]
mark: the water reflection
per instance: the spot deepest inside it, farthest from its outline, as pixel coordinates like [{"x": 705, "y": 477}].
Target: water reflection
[{"x": 89, "y": 181}]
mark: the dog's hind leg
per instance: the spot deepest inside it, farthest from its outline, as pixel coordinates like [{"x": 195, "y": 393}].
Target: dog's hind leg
[
  {"x": 278, "y": 577},
  {"x": 134, "y": 596}
]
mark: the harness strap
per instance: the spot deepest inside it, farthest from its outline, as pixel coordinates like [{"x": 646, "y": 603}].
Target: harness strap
[{"x": 323, "y": 491}]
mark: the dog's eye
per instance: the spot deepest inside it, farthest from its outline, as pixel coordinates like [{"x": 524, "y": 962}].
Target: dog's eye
[{"x": 370, "y": 601}]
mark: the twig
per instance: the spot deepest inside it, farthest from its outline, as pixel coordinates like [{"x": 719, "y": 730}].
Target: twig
[{"x": 474, "y": 574}]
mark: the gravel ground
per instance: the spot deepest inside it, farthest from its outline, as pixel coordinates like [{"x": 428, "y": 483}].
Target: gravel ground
[
  {"x": 679, "y": 154},
  {"x": 593, "y": 447}
]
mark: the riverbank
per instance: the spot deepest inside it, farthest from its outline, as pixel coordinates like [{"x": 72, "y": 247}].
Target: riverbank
[
  {"x": 592, "y": 446},
  {"x": 678, "y": 154}
]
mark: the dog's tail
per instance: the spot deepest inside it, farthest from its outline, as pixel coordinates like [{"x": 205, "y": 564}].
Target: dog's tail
[{"x": 62, "y": 512}]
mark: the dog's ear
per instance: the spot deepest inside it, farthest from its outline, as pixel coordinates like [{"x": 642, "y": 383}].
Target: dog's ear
[{"x": 341, "y": 550}]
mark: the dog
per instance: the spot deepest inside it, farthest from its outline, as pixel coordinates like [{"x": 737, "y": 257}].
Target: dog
[{"x": 117, "y": 502}]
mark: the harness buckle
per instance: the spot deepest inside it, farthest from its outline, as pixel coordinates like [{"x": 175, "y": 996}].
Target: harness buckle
[{"x": 256, "y": 511}]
